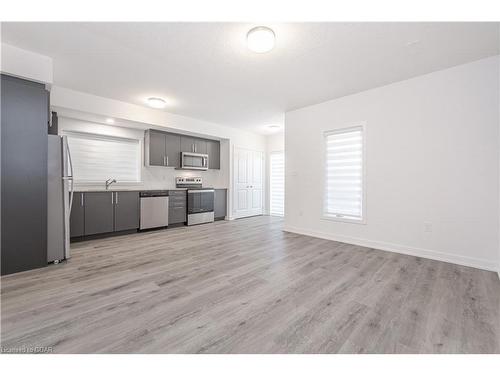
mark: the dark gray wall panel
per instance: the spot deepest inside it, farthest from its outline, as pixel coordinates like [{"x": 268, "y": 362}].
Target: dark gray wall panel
[{"x": 24, "y": 107}]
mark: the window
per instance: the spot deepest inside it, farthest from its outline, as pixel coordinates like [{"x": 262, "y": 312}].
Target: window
[
  {"x": 277, "y": 184},
  {"x": 344, "y": 175},
  {"x": 99, "y": 157}
]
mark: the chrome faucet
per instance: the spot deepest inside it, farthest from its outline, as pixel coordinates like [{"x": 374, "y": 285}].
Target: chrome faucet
[{"x": 109, "y": 181}]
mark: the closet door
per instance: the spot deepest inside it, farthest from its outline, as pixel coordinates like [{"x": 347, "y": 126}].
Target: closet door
[{"x": 248, "y": 183}]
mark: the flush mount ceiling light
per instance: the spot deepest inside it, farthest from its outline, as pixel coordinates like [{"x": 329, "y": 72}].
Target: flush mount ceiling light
[
  {"x": 156, "y": 102},
  {"x": 110, "y": 121},
  {"x": 260, "y": 39}
]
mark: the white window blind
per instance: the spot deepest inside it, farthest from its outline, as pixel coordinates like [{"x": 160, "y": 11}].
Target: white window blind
[
  {"x": 99, "y": 157},
  {"x": 344, "y": 174},
  {"x": 277, "y": 184}
]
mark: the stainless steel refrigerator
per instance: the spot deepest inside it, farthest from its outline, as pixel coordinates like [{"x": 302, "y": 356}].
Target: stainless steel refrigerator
[{"x": 59, "y": 198}]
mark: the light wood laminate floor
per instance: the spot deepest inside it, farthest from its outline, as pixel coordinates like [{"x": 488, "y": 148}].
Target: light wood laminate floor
[{"x": 248, "y": 287}]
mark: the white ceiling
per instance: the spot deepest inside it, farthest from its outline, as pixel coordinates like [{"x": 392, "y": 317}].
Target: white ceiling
[{"x": 205, "y": 70}]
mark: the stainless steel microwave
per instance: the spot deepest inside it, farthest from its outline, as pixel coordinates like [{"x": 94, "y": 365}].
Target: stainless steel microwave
[{"x": 192, "y": 160}]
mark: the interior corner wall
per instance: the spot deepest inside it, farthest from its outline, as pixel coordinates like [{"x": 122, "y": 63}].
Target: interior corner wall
[{"x": 432, "y": 162}]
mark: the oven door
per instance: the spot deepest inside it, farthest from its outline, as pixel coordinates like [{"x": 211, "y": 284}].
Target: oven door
[
  {"x": 200, "y": 206},
  {"x": 200, "y": 201},
  {"x": 191, "y": 160}
]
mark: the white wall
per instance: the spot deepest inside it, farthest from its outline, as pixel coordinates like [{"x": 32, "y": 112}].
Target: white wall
[
  {"x": 432, "y": 146},
  {"x": 70, "y": 103},
  {"x": 275, "y": 143},
  {"x": 25, "y": 64}
]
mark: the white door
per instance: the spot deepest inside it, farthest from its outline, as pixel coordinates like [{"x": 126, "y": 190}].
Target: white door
[{"x": 248, "y": 182}]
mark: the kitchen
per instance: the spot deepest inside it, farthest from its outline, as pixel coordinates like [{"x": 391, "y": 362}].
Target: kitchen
[{"x": 156, "y": 194}]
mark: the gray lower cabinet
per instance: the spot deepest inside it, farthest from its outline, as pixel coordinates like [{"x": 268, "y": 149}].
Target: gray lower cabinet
[
  {"x": 77, "y": 217},
  {"x": 213, "y": 151},
  {"x": 99, "y": 210},
  {"x": 104, "y": 212},
  {"x": 220, "y": 203},
  {"x": 126, "y": 204},
  {"x": 177, "y": 206}
]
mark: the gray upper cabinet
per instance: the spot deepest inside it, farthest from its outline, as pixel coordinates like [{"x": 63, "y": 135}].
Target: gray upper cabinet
[
  {"x": 192, "y": 144},
  {"x": 77, "y": 216},
  {"x": 155, "y": 151},
  {"x": 173, "y": 150},
  {"x": 126, "y": 205},
  {"x": 187, "y": 143},
  {"x": 164, "y": 149},
  {"x": 98, "y": 212},
  {"x": 213, "y": 151},
  {"x": 200, "y": 146}
]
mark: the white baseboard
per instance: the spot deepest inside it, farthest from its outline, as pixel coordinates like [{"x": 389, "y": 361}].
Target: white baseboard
[{"x": 385, "y": 246}]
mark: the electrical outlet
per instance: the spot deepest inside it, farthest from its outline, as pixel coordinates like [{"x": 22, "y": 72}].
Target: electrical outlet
[{"x": 427, "y": 227}]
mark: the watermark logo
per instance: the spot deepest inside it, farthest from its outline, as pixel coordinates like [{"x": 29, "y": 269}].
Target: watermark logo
[{"x": 26, "y": 349}]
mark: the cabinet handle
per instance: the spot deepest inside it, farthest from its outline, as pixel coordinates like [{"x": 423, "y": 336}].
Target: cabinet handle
[
  {"x": 112, "y": 198},
  {"x": 116, "y": 198},
  {"x": 164, "y": 160},
  {"x": 81, "y": 199},
  {"x": 167, "y": 161}
]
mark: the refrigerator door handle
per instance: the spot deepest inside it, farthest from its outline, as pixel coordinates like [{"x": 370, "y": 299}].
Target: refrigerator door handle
[{"x": 70, "y": 176}]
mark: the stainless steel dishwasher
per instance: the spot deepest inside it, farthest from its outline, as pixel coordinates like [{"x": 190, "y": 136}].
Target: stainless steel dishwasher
[{"x": 154, "y": 209}]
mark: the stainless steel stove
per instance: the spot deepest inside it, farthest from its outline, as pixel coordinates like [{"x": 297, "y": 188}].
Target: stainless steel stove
[{"x": 200, "y": 200}]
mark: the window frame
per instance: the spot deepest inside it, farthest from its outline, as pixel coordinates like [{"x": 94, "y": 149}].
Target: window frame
[
  {"x": 83, "y": 183},
  {"x": 325, "y": 135}
]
